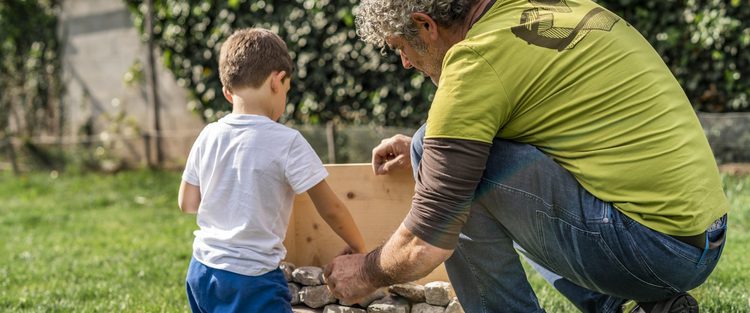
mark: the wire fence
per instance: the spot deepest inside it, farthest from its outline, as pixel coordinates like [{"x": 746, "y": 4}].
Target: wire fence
[
  {"x": 728, "y": 135},
  {"x": 110, "y": 152}
]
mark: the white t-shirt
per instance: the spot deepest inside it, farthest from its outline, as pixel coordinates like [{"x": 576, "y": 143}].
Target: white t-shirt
[{"x": 248, "y": 168}]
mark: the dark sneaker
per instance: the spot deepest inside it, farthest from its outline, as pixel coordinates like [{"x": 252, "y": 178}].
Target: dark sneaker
[{"x": 681, "y": 303}]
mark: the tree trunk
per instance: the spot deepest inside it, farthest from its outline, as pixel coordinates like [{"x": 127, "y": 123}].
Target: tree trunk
[
  {"x": 331, "y": 140},
  {"x": 153, "y": 95}
]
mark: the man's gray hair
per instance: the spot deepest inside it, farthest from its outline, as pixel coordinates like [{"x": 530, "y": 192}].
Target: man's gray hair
[{"x": 378, "y": 19}]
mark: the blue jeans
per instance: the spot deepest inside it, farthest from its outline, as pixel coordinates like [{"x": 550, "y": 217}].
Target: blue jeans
[
  {"x": 590, "y": 252},
  {"x": 215, "y": 290}
]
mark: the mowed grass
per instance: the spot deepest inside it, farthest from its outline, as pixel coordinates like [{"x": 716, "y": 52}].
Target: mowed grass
[
  {"x": 92, "y": 243},
  {"x": 117, "y": 243}
]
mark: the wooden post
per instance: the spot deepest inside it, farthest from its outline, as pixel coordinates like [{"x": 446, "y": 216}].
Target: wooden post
[
  {"x": 331, "y": 140},
  {"x": 147, "y": 148},
  {"x": 12, "y": 156},
  {"x": 153, "y": 95}
]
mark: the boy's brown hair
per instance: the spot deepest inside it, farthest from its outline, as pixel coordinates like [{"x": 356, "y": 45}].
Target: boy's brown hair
[{"x": 249, "y": 55}]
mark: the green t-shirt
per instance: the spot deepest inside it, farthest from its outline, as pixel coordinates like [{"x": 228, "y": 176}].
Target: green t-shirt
[{"x": 582, "y": 85}]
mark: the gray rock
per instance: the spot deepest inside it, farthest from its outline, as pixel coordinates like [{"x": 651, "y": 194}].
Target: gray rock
[
  {"x": 316, "y": 296},
  {"x": 389, "y": 304},
  {"x": 308, "y": 275},
  {"x": 333, "y": 308},
  {"x": 426, "y": 308},
  {"x": 454, "y": 307},
  {"x": 294, "y": 292},
  {"x": 287, "y": 268},
  {"x": 304, "y": 309},
  {"x": 411, "y": 291},
  {"x": 377, "y": 295},
  {"x": 438, "y": 293}
]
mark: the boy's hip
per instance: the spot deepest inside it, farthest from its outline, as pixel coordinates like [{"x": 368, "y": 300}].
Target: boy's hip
[{"x": 209, "y": 288}]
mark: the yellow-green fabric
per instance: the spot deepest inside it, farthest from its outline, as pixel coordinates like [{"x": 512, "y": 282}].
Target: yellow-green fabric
[{"x": 587, "y": 89}]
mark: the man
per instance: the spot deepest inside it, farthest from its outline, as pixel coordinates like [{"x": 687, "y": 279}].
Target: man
[{"x": 558, "y": 132}]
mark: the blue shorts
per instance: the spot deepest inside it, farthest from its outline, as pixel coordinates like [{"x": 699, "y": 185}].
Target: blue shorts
[{"x": 214, "y": 290}]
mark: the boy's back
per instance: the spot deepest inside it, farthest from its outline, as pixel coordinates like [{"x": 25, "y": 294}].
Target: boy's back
[
  {"x": 248, "y": 168},
  {"x": 241, "y": 177}
]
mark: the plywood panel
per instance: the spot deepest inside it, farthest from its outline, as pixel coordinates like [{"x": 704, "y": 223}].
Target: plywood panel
[{"x": 377, "y": 203}]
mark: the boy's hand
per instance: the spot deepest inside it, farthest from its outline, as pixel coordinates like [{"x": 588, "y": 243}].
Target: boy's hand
[
  {"x": 349, "y": 250},
  {"x": 346, "y": 251},
  {"x": 391, "y": 153}
]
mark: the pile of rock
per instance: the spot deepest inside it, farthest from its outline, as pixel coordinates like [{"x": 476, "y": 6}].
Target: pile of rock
[{"x": 311, "y": 295}]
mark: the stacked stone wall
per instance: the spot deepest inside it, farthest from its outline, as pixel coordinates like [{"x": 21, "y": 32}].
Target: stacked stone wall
[{"x": 310, "y": 294}]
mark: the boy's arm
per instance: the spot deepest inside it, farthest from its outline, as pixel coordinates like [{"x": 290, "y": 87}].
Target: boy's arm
[
  {"x": 336, "y": 215},
  {"x": 189, "y": 198}
]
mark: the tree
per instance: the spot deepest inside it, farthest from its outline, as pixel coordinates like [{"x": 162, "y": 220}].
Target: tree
[{"x": 30, "y": 85}]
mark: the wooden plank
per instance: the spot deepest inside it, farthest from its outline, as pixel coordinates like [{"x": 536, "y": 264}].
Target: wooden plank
[{"x": 378, "y": 205}]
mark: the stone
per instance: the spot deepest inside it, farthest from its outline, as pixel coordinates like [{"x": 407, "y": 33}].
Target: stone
[
  {"x": 410, "y": 291},
  {"x": 316, "y": 296},
  {"x": 377, "y": 295},
  {"x": 333, "y": 308},
  {"x": 294, "y": 292},
  {"x": 287, "y": 268},
  {"x": 426, "y": 308},
  {"x": 389, "y": 304},
  {"x": 308, "y": 275},
  {"x": 304, "y": 309},
  {"x": 438, "y": 293},
  {"x": 454, "y": 307}
]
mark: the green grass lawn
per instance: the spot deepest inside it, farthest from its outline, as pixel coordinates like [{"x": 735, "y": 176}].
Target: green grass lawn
[{"x": 117, "y": 243}]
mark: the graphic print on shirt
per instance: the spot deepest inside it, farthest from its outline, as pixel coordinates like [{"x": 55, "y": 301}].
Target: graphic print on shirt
[{"x": 538, "y": 24}]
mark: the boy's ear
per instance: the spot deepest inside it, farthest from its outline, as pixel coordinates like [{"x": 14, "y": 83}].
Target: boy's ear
[
  {"x": 227, "y": 94},
  {"x": 277, "y": 81}
]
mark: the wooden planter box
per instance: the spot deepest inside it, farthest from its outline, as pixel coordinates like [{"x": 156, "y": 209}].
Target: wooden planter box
[{"x": 377, "y": 203}]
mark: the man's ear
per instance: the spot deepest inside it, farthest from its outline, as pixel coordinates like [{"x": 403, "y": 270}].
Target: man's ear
[
  {"x": 277, "y": 81},
  {"x": 425, "y": 25},
  {"x": 227, "y": 94}
]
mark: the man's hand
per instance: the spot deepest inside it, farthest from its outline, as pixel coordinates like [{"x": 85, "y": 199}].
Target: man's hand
[
  {"x": 346, "y": 279},
  {"x": 391, "y": 153},
  {"x": 404, "y": 257}
]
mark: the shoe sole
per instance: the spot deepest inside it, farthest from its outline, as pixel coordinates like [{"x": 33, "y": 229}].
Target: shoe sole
[{"x": 684, "y": 304}]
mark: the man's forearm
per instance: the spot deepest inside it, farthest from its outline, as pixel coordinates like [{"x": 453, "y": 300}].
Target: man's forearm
[{"x": 403, "y": 258}]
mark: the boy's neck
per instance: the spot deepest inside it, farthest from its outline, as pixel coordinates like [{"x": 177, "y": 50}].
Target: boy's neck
[
  {"x": 241, "y": 108},
  {"x": 250, "y": 102}
]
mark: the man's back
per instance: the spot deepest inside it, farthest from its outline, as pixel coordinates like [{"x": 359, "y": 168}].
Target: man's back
[{"x": 586, "y": 88}]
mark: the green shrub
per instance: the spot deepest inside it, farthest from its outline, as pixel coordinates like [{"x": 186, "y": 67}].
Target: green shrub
[
  {"x": 340, "y": 78},
  {"x": 704, "y": 43},
  {"x": 30, "y": 68}
]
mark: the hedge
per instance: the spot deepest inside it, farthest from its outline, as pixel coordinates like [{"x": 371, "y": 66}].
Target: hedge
[{"x": 342, "y": 79}]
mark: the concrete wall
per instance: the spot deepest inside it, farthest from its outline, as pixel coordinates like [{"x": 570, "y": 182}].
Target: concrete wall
[{"x": 100, "y": 45}]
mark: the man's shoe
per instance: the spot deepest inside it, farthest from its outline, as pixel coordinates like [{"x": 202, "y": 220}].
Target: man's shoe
[{"x": 681, "y": 303}]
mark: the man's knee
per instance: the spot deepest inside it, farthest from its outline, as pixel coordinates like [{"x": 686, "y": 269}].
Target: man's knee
[{"x": 507, "y": 156}]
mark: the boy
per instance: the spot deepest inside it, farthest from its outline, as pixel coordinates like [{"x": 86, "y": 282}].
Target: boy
[{"x": 241, "y": 177}]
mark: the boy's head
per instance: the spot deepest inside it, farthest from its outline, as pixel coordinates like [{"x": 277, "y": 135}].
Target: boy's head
[{"x": 249, "y": 56}]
